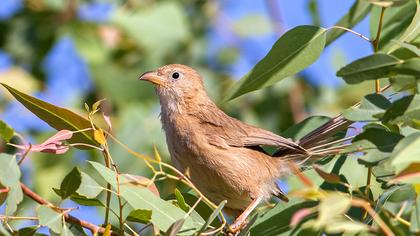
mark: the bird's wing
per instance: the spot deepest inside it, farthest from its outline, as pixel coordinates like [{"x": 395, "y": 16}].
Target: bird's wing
[{"x": 224, "y": 131}]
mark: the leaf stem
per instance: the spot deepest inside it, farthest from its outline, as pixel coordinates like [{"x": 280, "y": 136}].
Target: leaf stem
[
  {"x": 375, "y": 44},
  {"x": 349, "y": 30}
]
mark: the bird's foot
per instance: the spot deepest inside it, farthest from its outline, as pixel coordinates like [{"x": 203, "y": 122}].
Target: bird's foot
[{"x": 235, "y": 228}]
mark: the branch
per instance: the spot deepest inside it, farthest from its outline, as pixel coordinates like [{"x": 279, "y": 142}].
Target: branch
[{"x": 69, "y": 218}]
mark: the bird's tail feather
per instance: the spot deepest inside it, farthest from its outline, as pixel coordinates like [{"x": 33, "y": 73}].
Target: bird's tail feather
[{"x": 321, "y": 142}]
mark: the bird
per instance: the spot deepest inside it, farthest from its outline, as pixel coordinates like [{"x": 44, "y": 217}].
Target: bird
[{"x": 223, "y": 156}]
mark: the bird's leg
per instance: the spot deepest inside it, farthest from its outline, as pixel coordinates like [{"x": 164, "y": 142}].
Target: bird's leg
[{"x": 240, "y": 221}]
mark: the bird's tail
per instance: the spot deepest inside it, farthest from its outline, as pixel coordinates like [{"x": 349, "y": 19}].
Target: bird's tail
[{"x": 323, "y": 141}]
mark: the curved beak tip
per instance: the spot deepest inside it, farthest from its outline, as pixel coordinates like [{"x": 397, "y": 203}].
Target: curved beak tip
[{"x": 152, "y": 77}]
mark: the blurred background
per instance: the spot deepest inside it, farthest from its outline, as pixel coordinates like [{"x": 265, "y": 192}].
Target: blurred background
[{"x": 75, "y": 51}]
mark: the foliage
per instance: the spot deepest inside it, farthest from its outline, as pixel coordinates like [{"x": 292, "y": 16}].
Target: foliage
[{"x": 95, "y": 50}]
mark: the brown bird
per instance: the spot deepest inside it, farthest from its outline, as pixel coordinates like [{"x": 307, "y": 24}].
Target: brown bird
[{"x": 222, "y": 155}]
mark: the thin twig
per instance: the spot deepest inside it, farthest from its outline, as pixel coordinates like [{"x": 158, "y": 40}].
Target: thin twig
[
  {"x": 375, "y": 44},
  {"x": 351, "y": 31},
  {"x": 18, "y": 217},
  {"x": 363, "y": 204}
]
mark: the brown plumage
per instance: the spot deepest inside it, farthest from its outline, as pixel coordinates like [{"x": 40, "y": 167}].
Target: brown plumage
[{"x": 222, "y": 155}]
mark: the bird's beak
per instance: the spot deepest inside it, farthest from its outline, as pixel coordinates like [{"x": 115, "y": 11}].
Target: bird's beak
[{"x": 152, "y": 77}]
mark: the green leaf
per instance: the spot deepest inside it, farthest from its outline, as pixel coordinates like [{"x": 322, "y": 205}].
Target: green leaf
[
  {"x": 181, "y": 201},
  {"x": 294, "y": 51},
  {"x": 261, "y": 25},
  {"x": 3, "y": 230},
  {"x": 140, "y": 216},
  {"x": 88, "y": 187},
  {"x": 164, "y": 213},
  {"x": 70, "y": 183},
  {"x": 394, "y": 23},
  {"x": 376, "y": 144},
  {"x": 371, "y": 105},
  {"x": 333, "y": 206},
  {"x": 82, "y": 200},
  {"x": 413, "y": 30},
  {"x": 406, "y": 152},
  {"x": 150, "y": 30},
  {"x": 404, "y": 111},
  {"x": 368, "y": 68},
  {"x": 6, "y": 132},
  {"x": 304, "y": 127},
  {"x": 50, "y": 218},
  {"x": 340, "y": 226},
  {"x": 57, "y": 117},
  {"x": 9, "y": 170},
  {"x": 28, "y": 231},
  {"x": 14, "y": 197},
  {"x": 415, "y": 217},
  {"x": 409, "y": 67},
  {"x": 66, "y": 231},
  {"x": 175, "y": 228},
  {"x": 10, "y": 177},
  {"x": 213, "y": 216},
  {"x": 388, "y": 3},
  {"x": 358, "y": 11},
  {"x": 277, "y": 220}
]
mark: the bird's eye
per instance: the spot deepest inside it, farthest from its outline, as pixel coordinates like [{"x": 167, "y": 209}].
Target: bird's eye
[{"x": 175, "y": 75}]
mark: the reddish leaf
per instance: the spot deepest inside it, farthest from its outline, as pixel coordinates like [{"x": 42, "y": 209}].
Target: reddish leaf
[{"x": 328, "y": 177}]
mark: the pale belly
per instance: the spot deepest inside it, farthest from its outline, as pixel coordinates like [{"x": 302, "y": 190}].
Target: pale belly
[{"x": 221, "y": 177}]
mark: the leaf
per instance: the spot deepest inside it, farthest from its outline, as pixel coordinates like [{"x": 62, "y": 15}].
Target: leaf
[
  {"x": 10, "y": 177},
  {"x": 406, "y": 152},
  {"x": 415, "y": 217},
  {"x": 409, "y": 67},
  {"x": 164, "y": 213},
  {"x": 27, "y": 231},
  {"x": 14, "y": 197},
  {"x": 376, "y": 144},
  {"x": 175, "y": 228},
  {"x": 371, "y": 105},
  {"x": 413, "y": 30},
  {"x": 388, "y": 3},
  {"x": 276, "y": 221},
  {"x": 333, "y": 206},
  {"x": 88, "y": 187},
  {"x": 213, "y": 216},
  {"x": 6, "y": 132},
  {"x": 300, "y": 215},
  {"x": 140, "y": 216},
  {"x": 411, "y": 174},
  {"x": 82, "y": 200},
  {"x": 181, "y": 201},
  {"x": 107, "y": 231},
  {"x": 358, "y": 11},
  {"x": 57, "y": 117},
  {"x": 395, "y": 22},
  {"x": 347, "y": 226},
  {"x": 368, "y": 68},
  {"x": 261, "y": 25},
  {"x": 328, "y": 177},
  {"x": 304, "y": 127},
  {"x": 70, "y": 183},
  {"x": 9, "y": 170},
  {"x": 66, "y": 231},
  {"x": 150, "y": 30},
  {"x": 294, "y": 51},
  {"x": 50, "y": 218},
  {"x": 404, "y": 111},
  {"x": 98, "y": 135},
  {"x": 4, "y": 231}
]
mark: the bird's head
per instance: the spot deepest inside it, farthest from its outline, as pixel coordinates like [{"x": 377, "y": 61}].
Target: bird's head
[{"x": 176, "y": 85}]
